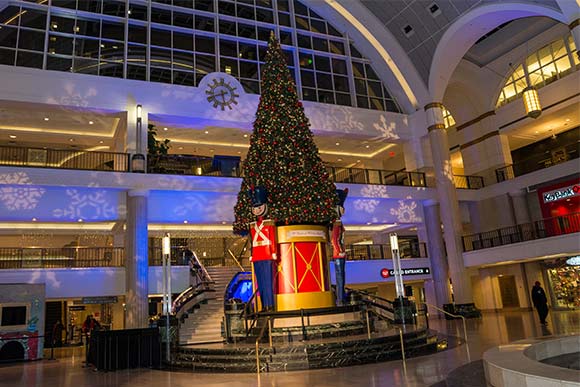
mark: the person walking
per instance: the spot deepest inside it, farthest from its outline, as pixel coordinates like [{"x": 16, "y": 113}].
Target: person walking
[{"x": 540, "y": 302}]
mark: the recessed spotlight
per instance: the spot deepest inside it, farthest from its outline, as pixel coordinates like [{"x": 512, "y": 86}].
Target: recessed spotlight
[
  {"x": 180, "y": 148},
  {"x": 46, "y": 118},
  {"x": 91, "y": 122},
  {"x": 567, "y": 120},
  {"x": 245, "y": 135},
  {"x": 337, "y": 144},
  {"x": 80, "y": 220},
  {"x": 224, "y": 222},
  {"x": 369, "y": 223},
  {"x": 100, "y": 142},
  {"x": 165, "y": 129},
  {"x": 358, "y": 161},
  {"x": 211, "y": 150},
  {"x": 338, "y": 159},
  {"x": 537, "y": 132},
  {"x": 206, "y": 132},
  {"x": 367, "y": 146},
  {"x": 71, "y": 139},
  {"x": 12, "y": 136},
  {"x": 34, "y": 219},
  {"x": 239, "y": 152},
  {"x": 185, "y": 221}
]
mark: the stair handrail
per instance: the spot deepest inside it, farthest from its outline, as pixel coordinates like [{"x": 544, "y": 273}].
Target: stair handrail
[
  {"x": 400, "y": 340},
  {"x": 203, "y": 269},
  {"x": 236, "y": 260},
  {"x": 186, "y": 295},
  {"x": 269, "y": 325},
  {"x": 454, "y": 316},
  {"x": 244, "y": 313}
]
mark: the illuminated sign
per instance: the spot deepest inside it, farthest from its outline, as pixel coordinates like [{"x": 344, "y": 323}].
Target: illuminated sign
[
  {"x": 573, "y": 261},
  {"x": 386, "y": 273},
  {"x": 561, "y": 193}
]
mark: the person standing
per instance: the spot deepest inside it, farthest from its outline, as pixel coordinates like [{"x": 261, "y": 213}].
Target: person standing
[
  {"x": 57, "y": 330},
  {"x": 338, "y": 249},
  {"x": 540, "y": 302},
  {"x": 264, "y": 250}
]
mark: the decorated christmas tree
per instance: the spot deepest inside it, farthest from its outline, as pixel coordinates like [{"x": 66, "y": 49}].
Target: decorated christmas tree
[{"x": 283, "y": 157}]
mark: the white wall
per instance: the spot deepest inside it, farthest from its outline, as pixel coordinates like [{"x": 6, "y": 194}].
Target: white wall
[{"x": 369, "y": 272}]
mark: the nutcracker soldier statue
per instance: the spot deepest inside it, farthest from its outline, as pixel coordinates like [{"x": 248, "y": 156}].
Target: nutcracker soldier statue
[
  {"x": 338, "y": 250},
  {"x": 263, "y": 232}
]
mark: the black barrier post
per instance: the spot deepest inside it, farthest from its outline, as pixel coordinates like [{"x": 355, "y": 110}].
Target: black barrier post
[{"x": 52, "y": 350}]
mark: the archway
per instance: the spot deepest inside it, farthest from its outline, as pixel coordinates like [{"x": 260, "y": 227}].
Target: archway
[{"x": 12, "y": 351}]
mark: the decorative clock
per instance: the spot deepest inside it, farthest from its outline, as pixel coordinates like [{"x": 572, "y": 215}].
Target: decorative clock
[{"x": 222, "y": 94}]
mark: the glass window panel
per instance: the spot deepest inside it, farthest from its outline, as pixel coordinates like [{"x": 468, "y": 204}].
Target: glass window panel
[
  {"x": 519, "y": 72},
  {"x": 88, "y": 28},
  {"x": 324, "y": 81},
  {"x": 60, "y": 45},
  {"x": 246, "y": 12},
  {"x": 545, "y": 55},
  {"x": 8, "y": 37},
  {"x": 286, "y": 38},
  {"x": 248, "y": 51},
  {"x": 563, "y": 64},
  {"x": 284, "y": 19},
  {"x": 571, "y": 44},
  {"x": 362, "y": 102},
  {"x": 7, "y": 56},
  {"x": 114, "y": 8},
  {"x": 302, "y": 23},
  {"x": 182, "y": 41},
  {"x": 320, "y": 44},
  {"x": 137, "y": 12},
  {"x": 205, "y": 63},
  {"x": 182, "y": 19},
  {"x": 262, "y": 53},
  {"x": 371, "y": 73},
  {"x": 183, "y": 3},
  {"x": 248, "y": 69},
  {"x": 33, "y": 19},
  {"x": 246, "y": 31},
  {"x": 70, "y": 4},
  {"x": 183, "y": 78},
  {"x": 161, "y": 38},
  {"x": 306, "y": 61},
  {"x": 31, "y": 40},
  {"x": 10, "y": 15},
  {"x": 314, "y": 14},
  {"x": 325, "y": 96},
  {"x": 93, "y": 6},
  {"x": 228, "y": 48},
  {"x": 307, "y": 78},
  {"x": 536, "y": 78},
  {"x": 136, "y": 72},
  {"x": 304, "y": 41},
  {"x": 160, "y": 57},
  {"x": 289, "y": 56},
  {"x": 112, "y": 51},
  {"x": 358, "y": 69},
  {"x": 227, "y": 8},
  {"x": 500, "y": 99},
  {"x": 337, "y": 47},
  {"x": 264, "y": 3},
  {"x": 161, "y": 16},
  {"x": 229, "y": 66},
  {"x": 160, "y": 75},
  {"x": 377, "y": 104},
  {"x": 339, "y": 66},
  {"x": 341, "y": 83},
  {"x": 375, "y": 89},
  {"x": 203, "y": 23},
  {"x": 86, "y": 66},
  {"x": 386, "y": 93},
  {"x": 264, "y": 34},
  {"x": 58, "y": 63},
  {"x": 88, "y": 48},
  {"x": 204, "y": 5},
  {"x": 333, "y": 31},
  {"x": 300, "y": 9},
  {"x": 308, "y": 94},
  {"x": 354, "y": 52},
  {"x": 113, "y": 31},
  {"x": 62, "y": 24},
  {"x": 136, "y": 54},
  {"x": 283, "y": 5},
  {"x": 509, "y": 91},
  {"x": 322, "y": 63},
  {"x": 343, "y": 99},
  {"x": 317, "y": 26},
  {"x": 532, "y": 63},
  {"x": 264, "y": 15},
  {"x": 227, "y": 27},
  {"x": 360, "y": 86},
  {"x": 392, "y": 106},
  {"x": 114, "y": 70},
  {"x": 558, "y": 48},
  {"x": 521, "y": 84},
  {"x": 183, "y": 60},
  {"x": 29, "y": 59}
]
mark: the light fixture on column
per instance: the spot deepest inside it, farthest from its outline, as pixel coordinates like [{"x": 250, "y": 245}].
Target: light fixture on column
[
  {"x": 139, "y": 113},
  {"x": 166, "y": 262},
  {"x": 138, "y": 159},
  {"x": 166, "y": 244},
  {"x": 399, "y": 287},
  {"x": 532, "y": 102}
]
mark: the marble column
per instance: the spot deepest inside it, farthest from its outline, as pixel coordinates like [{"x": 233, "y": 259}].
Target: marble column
[
  {"x": 520, "y": 206},
  {"x": 436, "y": 250},
  {"x": 449, "y": 204},
  {"x": 136, "y": 261}
]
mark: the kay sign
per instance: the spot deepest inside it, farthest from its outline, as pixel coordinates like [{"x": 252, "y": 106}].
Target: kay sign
[{"x": 561, "y": 193}]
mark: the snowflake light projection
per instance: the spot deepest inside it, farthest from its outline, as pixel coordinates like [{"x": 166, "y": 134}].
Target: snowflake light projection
[
  {"x": 370, "y": 191},
  {"x": 406, "y": 212},
  {"x": 92, "y": 206},
  {"x": 18, "y": 194},
  {"x": 73, "y": 97},
  {"x": 386, "y": 129}
]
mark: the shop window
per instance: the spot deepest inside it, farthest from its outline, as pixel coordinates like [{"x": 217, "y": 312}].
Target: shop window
[{"x": 14, "y": 315}]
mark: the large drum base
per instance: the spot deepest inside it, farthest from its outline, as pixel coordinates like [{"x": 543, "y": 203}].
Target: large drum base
[{"x": 310, "y": 300}]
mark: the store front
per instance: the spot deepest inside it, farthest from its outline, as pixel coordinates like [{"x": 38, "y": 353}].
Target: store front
[{"x": 563, "y": 284}]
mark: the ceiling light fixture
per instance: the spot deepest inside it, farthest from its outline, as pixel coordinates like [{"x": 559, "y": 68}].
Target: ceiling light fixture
[
  {"x": 367, "y": 146},
  {"x": 337, "y": 144},
  {"x": 46, "y": 118},
  {"x": 206, "y": 132},
  {"x": 100, "y": 142},
  {"x": 91, "y": 122},
  {"x": 165, "y": 129},
  {"x": 245, "y": 135},
  {"x": 12, "y": 136}
]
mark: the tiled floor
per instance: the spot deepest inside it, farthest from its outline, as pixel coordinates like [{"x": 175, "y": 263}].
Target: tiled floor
[{"x": 493, "y": 329}]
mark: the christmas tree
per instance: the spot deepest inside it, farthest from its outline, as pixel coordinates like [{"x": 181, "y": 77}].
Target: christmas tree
[{"x": 283, "y": 157}]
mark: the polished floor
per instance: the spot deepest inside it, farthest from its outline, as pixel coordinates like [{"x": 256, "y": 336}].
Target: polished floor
[{"x": 493, "y": 329}]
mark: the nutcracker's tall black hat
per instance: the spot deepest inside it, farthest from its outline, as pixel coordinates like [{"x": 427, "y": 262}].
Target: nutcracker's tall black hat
[
  {"x": 341, "y": 194},
  {"x": 259, "y": 196}
]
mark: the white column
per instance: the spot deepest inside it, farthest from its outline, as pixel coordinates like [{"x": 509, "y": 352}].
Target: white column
[
  {"x": 436, "y": 250},
  {"x": 136, "y": 261},
  {"x": 520, "y": 206},
  {"x": 448, "y": 202}
]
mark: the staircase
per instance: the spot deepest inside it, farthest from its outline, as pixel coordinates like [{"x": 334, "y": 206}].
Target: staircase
[{"x": 204, "y": 324}]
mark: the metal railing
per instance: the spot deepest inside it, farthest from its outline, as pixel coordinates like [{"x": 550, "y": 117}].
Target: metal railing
[
  {"x": 192, "y": 165},
  {"x": 376, "y": 176},
  {"x": 544, "y": 228},
  {"x": 407, "y": 249},
  {"x": 468, "y": 181},
  {"x": 64, "y": 159},
  {"x": 269, "y": 326},
  {"x": 535, "y": 163},
  {"x": 454, "y": 316},
  {"x": 64, "y": 257}
]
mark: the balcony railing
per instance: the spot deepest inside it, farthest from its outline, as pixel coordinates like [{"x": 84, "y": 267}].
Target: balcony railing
[
  {"x": 468, "y": 182},
  {"x": 64, "y": 159},
  {"x": 536, "y": 163},
  {"x": 376, "y": 176},
  {"x": 52, "y": 258},
  {"x": 192, "y": 165},
  {"x": 544, "y": 228},
  {"x": 407, "y": 249}
]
